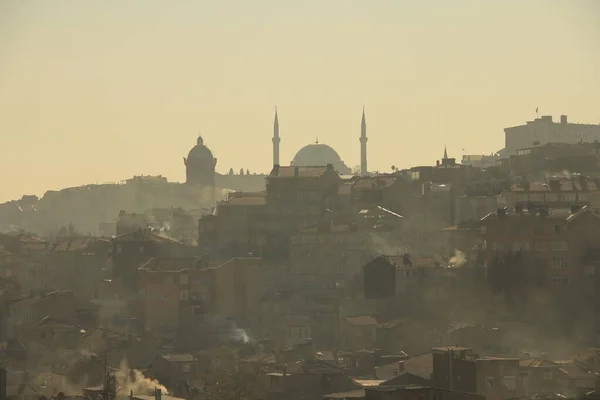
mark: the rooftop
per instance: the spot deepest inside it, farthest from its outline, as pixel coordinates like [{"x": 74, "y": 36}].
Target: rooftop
[
  {"x": 179, "y": 358},
  {"x": 565, "y": 214},
  {"x": 364, "y": 320},
  {"x": 174, "y": 264},
  {"x": 300, "y": 172}
]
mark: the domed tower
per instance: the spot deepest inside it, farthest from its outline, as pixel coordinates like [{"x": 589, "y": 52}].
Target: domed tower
[{"x": 200, "y": 165}]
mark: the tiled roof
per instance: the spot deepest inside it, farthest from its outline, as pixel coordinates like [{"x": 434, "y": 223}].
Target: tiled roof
[
  {"x": 352, "y": 394},
  {"x": 562, "y": 185},
  {"x": 77, "y": 243},
  {"x": 145, "y": 236},
  {"x": 394, "y": 323},
  {"x": 537, "y": 363},
  {"x": 365, "y": 320},
  {"x": 369, "y": 382},
  {"x": 263, "y": 358},
  {"x": 244, "y": 201},
  {"x": 421, "y": 365},
  {"x": 178, "y": 358},
  {"x": 553, "y": 213},
  {"x": 174, "y": 264},
  {"x": 374, "y": 182},
  {"x": 301, "y": 172}
]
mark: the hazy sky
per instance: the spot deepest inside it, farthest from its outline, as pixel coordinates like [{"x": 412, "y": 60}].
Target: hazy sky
[{"x": 101, "y": 90}]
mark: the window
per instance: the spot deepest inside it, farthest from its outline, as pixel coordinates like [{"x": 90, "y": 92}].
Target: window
[
  {"x": 536, "y": 197},
  {"x": 183, "y": 279},
  {"x": 559, "y": 246},
  {"x": 141, "y": 249},
  {"x": 489, "y": 382},
  {"x": 551, "y": 197},
  {"x": 438, "y": 396},
  {"x": 582, "y": 196},
  {"x": 142, "y": 294},
  {"x": 498, "y": 246},
  {"x": 509, "y": 382},
  {"x": 558, "y": 229},
  {"x": 541, "y": 246},
  {"x": 119, "y": 248},
  {"x": 517, "y": 246},
  {"x": 558, "y": 262},
  {"x": 525, "y": 381},
  {"x": 538, "y": 230},
  {"x": 548, "y": 375},
  {"x": 186, "y": 368},
  {"x": 168, "y": 279},
  {"x": 569, "y": 197},
  {"x": 184, "y": 295},
  {"x": 520, "y": 197},
  {"x": 359, "y": 333},
  {"x": 560, "y": 280}
]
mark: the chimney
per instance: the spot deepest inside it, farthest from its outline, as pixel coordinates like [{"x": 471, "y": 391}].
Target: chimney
[
  {"x": 563, "y": 119},
  {"x": 400, "y": 367},
  {"x": 554, "y": 184}
]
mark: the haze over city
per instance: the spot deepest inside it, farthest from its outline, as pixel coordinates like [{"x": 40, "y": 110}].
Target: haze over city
[{"x": 100, "y": 91}]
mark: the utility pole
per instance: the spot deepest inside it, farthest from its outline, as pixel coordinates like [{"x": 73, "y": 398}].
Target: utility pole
[{"x": 451, "y": 374}]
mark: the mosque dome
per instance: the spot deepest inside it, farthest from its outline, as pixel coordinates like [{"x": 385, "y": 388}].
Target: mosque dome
[
  {"x": 319, "y": 154},
  {"x": 316, "y": 154}
]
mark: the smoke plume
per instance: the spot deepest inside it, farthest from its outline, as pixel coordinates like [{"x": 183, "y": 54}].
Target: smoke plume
[
  {"x": 132, "y": 380},
  {"x": 457, "y": 260}
]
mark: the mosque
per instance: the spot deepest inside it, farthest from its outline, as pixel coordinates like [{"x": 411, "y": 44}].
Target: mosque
[{"x": 200, "y": 163}]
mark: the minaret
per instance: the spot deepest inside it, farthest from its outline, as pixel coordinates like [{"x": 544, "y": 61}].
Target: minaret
[
  {"x": 445, "y": 153},
  {"x": 363, "y": 145},
  {"x": 276, "y": 139}
]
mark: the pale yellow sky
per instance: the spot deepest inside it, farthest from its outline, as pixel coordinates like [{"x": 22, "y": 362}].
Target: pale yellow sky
[{"x": 99, "y": 90}]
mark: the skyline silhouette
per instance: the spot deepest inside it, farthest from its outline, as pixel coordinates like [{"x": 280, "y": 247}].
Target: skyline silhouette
[{"x": 101, "y": 91}]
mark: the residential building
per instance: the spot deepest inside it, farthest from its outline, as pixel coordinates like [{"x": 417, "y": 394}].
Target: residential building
[
  {"x": 229, "y": 231},
  {"x": 297, "y": 197},
  {"x": 457, "y": 368},
  {"x": 358, "y": 332},
  {"x": 544, "y": 130},
  {"x": 131, "y": 250},
  {"x": 551, "y": 243},
  {"x": 177, "y": 293}
]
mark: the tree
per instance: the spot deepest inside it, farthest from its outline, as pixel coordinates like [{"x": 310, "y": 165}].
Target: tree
[
  {"x": 241, "y": 171},
  {"x": 230, "y": 171},
  {"x": 247, "y": 172}
]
